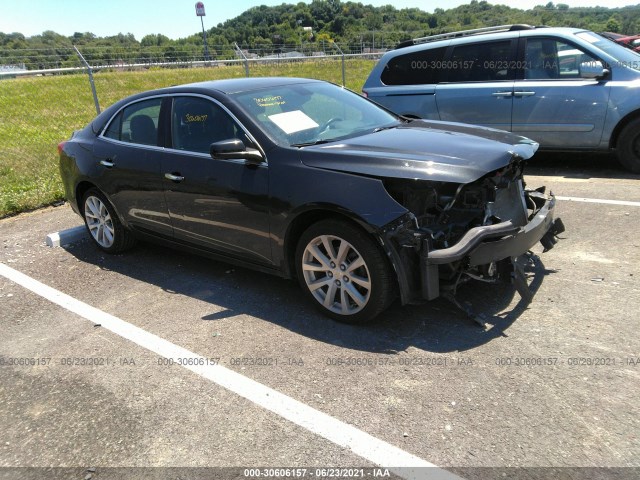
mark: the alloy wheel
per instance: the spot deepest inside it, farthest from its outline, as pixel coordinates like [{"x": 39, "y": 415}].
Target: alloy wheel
[
  {"x": 99, "y": 221},
  {"x": 336, "y": 275}
]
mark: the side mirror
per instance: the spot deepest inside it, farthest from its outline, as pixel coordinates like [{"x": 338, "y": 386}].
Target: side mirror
[
  {"x": 234, "y": 148},
  {"x": 593, "y": 69}
]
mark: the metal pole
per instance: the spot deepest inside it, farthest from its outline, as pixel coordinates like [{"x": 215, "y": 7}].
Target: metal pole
[
  {"x": 93, "y": 86},
  {"x": 204, "y": 39},
  {"x": 246, "y": 60},
  {"x": 341, "y": 53}
]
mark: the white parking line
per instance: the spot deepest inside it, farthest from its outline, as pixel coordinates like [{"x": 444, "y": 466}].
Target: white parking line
[
  {"x": 380, "y": 453},
  {"x": 598, "y": 200}
]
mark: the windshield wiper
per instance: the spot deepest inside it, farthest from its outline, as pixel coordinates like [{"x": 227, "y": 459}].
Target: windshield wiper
[
  {"x": 379, "y": 129},
  {"x": 387, "y": 127},
  {"x": 309, "y": 144}
]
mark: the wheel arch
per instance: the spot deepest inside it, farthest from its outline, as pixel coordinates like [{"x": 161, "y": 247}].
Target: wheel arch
[
  {"x": 307, "y": 218},
  {"x": 83, "y": 187},
  {"x": 630, "y": 117},
  {"x": 80, "y": 190}
]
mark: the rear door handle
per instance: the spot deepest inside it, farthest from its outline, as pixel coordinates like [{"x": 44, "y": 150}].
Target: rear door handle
[
  {"x": 524, "y": 94},
  {"x": 502, "y": 94},
  {"x": 106, "y": 163},
  {"x": 174, "y": 177}
]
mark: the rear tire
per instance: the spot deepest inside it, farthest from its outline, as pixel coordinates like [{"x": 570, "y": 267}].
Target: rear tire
[
  {"x": 628, "y": 146},
  {"x": 343, "y": 272},
  {"x": 103, "y": 224}
]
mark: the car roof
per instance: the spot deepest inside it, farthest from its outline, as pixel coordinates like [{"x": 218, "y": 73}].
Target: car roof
[
  {"x": 224, "y": 87},
  {"x": 237, "y": 85},
  {"x": 482, "y": 37}
]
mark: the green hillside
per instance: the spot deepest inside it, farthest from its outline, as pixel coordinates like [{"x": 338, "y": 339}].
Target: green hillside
[{"x": 270, "y": 30}]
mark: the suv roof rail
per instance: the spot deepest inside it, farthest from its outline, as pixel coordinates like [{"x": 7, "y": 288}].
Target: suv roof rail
[{"x": 466, "y": 33}]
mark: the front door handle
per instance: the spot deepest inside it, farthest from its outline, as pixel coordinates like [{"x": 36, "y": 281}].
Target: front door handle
[
  {"x": 503, "y": 94},
  {"x": 174, "y": 177},
  {"x": 524, "y": 94},
  {"x": 106, "y": 163}
]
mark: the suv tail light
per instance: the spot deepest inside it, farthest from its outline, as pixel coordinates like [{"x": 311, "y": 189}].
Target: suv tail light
[{"x": 60, "y": 147}]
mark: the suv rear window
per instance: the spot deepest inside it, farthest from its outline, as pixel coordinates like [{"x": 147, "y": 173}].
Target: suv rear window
[
  {"x": 480, "y": 62},
  {"x": 416, "y": 68}
]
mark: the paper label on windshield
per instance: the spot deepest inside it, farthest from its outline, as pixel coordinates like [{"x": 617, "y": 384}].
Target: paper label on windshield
[{"x": 292, "y": 122}]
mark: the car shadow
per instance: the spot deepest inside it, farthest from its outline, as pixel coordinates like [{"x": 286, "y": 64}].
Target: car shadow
[
  {"x": 578, "y": 165},
  {"x": 437, "y": 326}
]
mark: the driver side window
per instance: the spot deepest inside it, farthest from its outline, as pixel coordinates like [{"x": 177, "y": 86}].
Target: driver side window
[
  {"x": 551, "y": 59},
  {"x": 196, "y": 123}
]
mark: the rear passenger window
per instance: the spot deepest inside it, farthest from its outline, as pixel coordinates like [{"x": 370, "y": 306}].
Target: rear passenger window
[
  {"x": 417, "y": 68},
  {"x": 480, "y": 62},
  {"x": 137, "y": 123}
]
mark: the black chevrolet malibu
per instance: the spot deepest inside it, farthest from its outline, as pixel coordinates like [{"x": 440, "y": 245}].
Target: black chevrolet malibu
[{"x": 302, "y": 178}]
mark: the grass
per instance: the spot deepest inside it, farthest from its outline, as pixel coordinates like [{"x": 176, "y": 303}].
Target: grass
[{"x": 37, "y": 113}]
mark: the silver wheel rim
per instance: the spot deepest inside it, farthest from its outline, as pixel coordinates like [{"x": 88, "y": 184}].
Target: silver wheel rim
[
  {"x": 336, "y": 275},
  {"x": 99, "y": 221}
]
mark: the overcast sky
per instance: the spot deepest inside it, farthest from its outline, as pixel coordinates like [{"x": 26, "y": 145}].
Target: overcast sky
[{"x": 177, "y": 18}]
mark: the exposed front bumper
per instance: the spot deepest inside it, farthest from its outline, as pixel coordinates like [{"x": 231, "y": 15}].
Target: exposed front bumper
[
  {"x": 491, "y": 243},
  {"x": 419, "y": 277}
]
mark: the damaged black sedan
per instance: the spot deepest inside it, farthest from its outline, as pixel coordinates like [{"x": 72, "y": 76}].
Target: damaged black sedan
[{"x": 302, "y": 178}]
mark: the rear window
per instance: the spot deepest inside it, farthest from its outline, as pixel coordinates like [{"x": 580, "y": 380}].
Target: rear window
[
  {"x": 136, "y": 123},
  {"x": 416, "y": 68},
  {"x": 480, "y": 62}
]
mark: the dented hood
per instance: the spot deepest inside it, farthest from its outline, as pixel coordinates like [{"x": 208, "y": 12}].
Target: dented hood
[{"x": 438, "y": 151}]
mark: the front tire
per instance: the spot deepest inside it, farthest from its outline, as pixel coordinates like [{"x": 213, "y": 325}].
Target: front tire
[
  {"x": 103, "y": 223},
  {"x": 343, "y": 272},
  {"x": 628, "y": 146}
]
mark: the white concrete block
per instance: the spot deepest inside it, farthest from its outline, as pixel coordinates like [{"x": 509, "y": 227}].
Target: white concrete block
[{"x": 64, "y": 237}]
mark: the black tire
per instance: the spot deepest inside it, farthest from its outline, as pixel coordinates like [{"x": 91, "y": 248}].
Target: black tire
[
  {"x": 355, "y": 282},
  {"x": 103, "y": 224},
  {"x": 628, "y": 146}
]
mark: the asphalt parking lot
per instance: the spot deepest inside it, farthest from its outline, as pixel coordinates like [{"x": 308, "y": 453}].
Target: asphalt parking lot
[{"x": 548, "y": 390}]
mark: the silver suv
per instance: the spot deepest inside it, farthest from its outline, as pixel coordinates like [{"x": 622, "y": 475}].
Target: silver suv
[{"x": 565, "y": 88}]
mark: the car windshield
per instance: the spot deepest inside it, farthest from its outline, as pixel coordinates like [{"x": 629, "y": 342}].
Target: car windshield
[
  {"x": 625, "y": 56},
  {"x": 311, "y": 113}
]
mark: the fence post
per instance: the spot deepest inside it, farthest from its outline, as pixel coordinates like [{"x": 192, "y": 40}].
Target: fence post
[
  {"x": 342, "y": 54},
  {"x": 246, "y": 60},
  {"x": 93, "y": 86}
]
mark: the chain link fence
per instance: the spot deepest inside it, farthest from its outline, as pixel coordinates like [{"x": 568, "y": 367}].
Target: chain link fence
[
  {"x": 15, "y": 62},
  {"x": 42, "y": 106}
]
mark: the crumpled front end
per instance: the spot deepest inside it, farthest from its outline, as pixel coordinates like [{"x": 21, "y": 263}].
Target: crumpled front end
[{"x": 457, "y": 232}]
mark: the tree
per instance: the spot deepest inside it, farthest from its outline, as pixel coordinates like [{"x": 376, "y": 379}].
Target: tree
[
  {"x": 613, "y": 25},
  {"x": 155, "y": 40}
]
